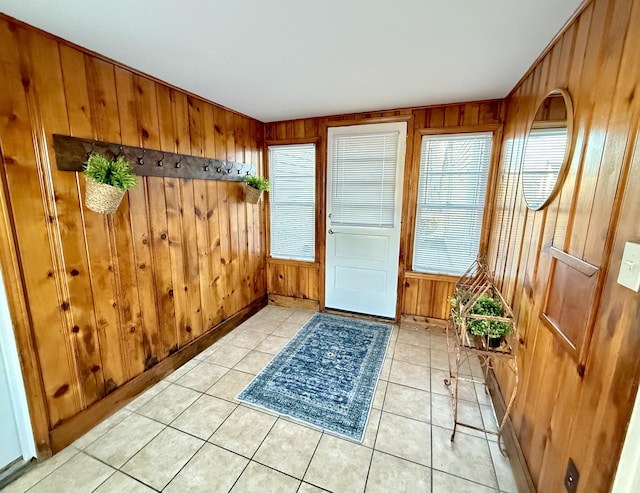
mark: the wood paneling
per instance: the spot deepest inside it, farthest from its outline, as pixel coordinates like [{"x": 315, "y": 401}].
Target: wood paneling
[
  {"x": 567, "y": 408},
  {"x": 98, "y": 300},
  {"x": 418, "y": 294}
]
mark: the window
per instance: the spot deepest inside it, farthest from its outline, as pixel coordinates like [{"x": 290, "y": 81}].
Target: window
[
  {"x": 292, "y": 201},
  {"x": 363, "y": 179},
  {"x": 451, "y": 196}
]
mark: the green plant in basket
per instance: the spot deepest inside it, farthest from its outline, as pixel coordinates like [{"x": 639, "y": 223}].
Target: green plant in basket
[
  {"x": 257, "y": 182},
  {"x": 487, "y": 306},
  {"x": 115, "y": 172}
]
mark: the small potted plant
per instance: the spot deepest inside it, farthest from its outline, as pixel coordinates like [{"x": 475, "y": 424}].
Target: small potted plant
[
  {"x": 107, "y": 181},
  {"x": 254, "y": 186},
  {"x": 493, "y": 330}
]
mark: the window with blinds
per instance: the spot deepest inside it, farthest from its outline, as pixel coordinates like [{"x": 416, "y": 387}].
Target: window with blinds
[
  {"x": 363, "y": 179},
  {"x": 451, "y": 195},
  {"x": 292, "y": 201}
]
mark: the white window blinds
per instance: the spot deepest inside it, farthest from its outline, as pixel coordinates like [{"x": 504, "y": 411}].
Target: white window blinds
[
  {"x": 292, "y": 201},
  {"x": 543, "y": 159},
  {"x": 363, "y": 179},
  {"x": 451, "y": 195}
]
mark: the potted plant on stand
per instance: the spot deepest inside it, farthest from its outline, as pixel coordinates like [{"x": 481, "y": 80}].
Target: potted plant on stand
[
  {"x": 107, "y": 181},
  {"x": 254, "y": 186},
  {"x": 484, "y": 326}
]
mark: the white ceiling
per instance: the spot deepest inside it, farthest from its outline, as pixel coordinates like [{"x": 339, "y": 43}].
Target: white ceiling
[{"x": 284, "y": 59}]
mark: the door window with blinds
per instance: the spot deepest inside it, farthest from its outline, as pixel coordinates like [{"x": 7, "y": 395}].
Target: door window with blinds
[
  {"x": 292, "y": 201},
  {"x": 452, "y": 189},
  {"x": 363, "y": 180}
]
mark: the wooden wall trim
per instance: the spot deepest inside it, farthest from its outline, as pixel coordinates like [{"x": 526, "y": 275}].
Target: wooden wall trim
[
  {"x": 69, "y": 430},
  {"x": 296, "y": 303},
  {"x": 412, "y": 274}
]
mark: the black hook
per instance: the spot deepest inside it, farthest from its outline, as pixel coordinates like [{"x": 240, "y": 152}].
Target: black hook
[
  {"x": 160, "y": 162},
  {"x": 218, "y": 169},
  {"x": 141, "y": 158},
  {"x": 178, "y": 165},
  {"x": 93, "y": 146},
  {"x": 206, "y": 168}
]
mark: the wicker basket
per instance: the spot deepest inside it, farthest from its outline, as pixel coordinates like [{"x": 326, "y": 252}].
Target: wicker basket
[
  {"x": 102, "y": 198},
  {"x": 251, "y": 195}
]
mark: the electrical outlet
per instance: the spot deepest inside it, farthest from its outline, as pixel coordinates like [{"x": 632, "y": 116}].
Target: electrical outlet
[{"x": 571, "y": 477}]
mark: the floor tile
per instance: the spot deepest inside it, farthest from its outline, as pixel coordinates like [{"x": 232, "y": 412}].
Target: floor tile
[
  {"x": 160, "y": 460},
  {"x": 300, "y": 316},
  {"x": 411, "y": 354},
  {"x": 204, "y": 416},
  {"x": 504, "y": 471},
  {"x": 466, "y": 390},
  {"x": 287, "y": 329},
  {"x": 169, "y": 403},
  {"x": 414, "y": 336},
  {"x": 230, "y": 385},
  {"x": 275, "y": 313},
  {"x": 378, "y": 397},
  {"x": 228, "y": 356},
  {"x": 408, "y": 402},
  {"x": 184, "y": 369},
  {"x": 386, "y": 369},
  {"x": 249, "y": 339},
  {"x": 410, "y": 375},
  {"x": 100, "y": 429},
  {"x": 371, "y": 431},
  {"x": 121, "y": 483},
  {"x": 309, "y": 488},
  {"x": 468, "y": 413},
  {"x": 79, "y": 474},
  {"x": 243, "y": 431},
  {"x": 272, "y": 344},
  {"x": 339, "y": 465},
  {"x": 202, "y": 376},
  {"x": 489, "y": 418},
  {"x": 147, "y": 395},
  {"x": 122, "y": 442},
  {"x": 211, "y": 469},
  {"x": 288, "y": 448},
  {"x": 467, "y": 456},
  {"x": 253, "y": 362},
  {"x": 257, "y": 477},
  {"x": 203, "y": 355},
  {"x": 446, "y": 483},
  {"x": 405, "y": 438},
  {"x": 391, "y": 474},
  {"x": 40, "y": 471}
]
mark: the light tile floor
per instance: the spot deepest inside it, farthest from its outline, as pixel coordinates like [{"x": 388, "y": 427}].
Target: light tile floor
[{"x": 188, "y": 433}]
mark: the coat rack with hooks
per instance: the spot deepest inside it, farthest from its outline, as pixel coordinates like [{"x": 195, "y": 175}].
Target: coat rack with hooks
[{"x": 72, "y": 152}]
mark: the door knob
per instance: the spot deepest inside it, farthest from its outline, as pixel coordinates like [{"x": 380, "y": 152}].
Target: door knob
[{"x": 330, "y": 231}]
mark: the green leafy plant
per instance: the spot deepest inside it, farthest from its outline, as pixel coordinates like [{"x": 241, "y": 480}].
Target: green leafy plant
[
  {"x": 115, "y": 172},
  {"x": 257, "y": 182},
  {"x": 487, "y": 306}
]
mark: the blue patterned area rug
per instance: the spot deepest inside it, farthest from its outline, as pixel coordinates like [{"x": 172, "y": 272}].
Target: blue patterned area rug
[{"x": 325, "y": 376}]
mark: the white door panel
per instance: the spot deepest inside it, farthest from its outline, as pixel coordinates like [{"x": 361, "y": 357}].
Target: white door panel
[{"x": 363, "y": 239}]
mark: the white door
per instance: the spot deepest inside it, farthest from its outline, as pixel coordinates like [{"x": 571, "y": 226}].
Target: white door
[
  {"x": 10, "y": 449},
  {"x": 365, "y": 166},
  {"x": 16, "y": 435}
]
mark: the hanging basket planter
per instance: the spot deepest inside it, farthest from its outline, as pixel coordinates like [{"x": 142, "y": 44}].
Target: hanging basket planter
[
  {"x": 102, "y": 198},
  {"x": 107, "y": 181},
  {"x": 251, "y": 195}
]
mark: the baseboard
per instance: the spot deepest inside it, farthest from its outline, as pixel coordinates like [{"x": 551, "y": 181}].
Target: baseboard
[
  {"x": 71, "y": 429},
  {"x": 514, "y": 452},
  {"x": 290, "y": 302},
  {"x": 420, "y": 320}
]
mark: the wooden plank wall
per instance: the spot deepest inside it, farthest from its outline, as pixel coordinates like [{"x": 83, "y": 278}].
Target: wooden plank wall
[
  {"x": 560, "y": 414},
  {"x": 419, "y": 294},
  {"x": 96, "y": 300}
]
